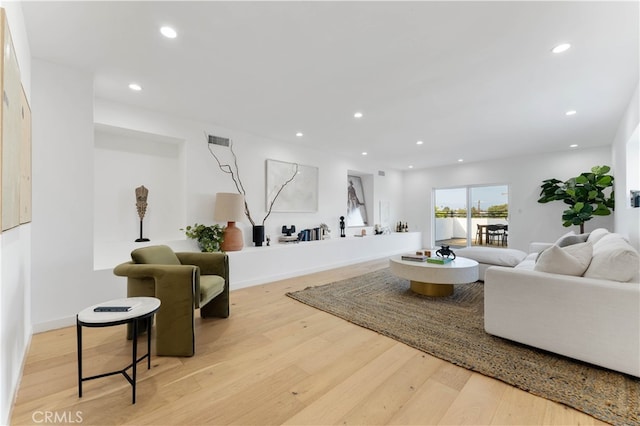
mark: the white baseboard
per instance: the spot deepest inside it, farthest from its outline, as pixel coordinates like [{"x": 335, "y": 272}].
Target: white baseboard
[{"x": 54, "y": 324}]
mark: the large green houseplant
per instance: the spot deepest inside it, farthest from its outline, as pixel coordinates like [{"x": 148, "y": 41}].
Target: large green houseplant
[
  {"x": 585, "y": 194},
  {"x": 209, "y": 238}
]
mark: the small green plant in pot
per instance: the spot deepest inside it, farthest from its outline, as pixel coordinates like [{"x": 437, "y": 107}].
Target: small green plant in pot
[
  {"x": 209, "y": 238},
  {"x": 585, "y": 194}
]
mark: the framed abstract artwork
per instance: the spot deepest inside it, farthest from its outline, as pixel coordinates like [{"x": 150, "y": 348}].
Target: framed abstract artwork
[
  {"x": 15, "y": 203},
  {"x": 299, "y": 195}
]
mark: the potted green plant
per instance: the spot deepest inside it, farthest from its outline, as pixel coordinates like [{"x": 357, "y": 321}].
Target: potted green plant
[
  {"x": 209, "y": 238},
  {"x": 585, "y": 194}
]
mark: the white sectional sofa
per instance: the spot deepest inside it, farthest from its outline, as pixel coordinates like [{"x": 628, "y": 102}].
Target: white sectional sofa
[{"x": 593, "y": 317}]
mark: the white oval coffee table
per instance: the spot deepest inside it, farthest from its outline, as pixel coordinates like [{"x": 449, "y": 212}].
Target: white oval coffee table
[{"x": 432, "y": 279}]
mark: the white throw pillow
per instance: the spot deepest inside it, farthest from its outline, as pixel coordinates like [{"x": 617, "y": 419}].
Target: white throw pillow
[
  {"x": 613, "y": 259},
  {"x": 570, "y": 260},
  {"x": 597, "y": 234}
]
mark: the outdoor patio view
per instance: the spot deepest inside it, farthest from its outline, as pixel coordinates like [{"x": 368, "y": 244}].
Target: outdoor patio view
[{"x": 484, "y": 224}]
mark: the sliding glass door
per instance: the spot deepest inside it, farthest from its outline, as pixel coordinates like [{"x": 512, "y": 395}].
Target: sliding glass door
[
  {"x": 471, "y": 216},
  {"x": 451, "y": 217}
]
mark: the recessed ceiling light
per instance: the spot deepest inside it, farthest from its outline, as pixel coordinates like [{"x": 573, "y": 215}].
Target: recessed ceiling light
[
  {"x": 460, "y": 160},
  {"x": 570, "y": 112},
  {"x": 135, "y": 87},
  {"x": 419, "y": 143},
  {"x": 561, "y": 48},
  {"x": 168, "y": 32},
  {"x": 299, "y": 134},
  {"x": 364, "y": 153},
  {"x": 573, "y": 145},
  {"x": 411, "y": 167},
  {"x": 358, "y": 115}
]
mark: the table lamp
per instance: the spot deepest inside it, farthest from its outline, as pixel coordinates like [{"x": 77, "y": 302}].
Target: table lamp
[{"x": 230, "y": 208}]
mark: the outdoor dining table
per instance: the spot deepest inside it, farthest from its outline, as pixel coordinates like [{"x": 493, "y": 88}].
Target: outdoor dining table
[{"x": 483, "y": 233}]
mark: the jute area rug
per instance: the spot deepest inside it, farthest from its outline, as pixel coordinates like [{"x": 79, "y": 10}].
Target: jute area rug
[{"x": 452, "y": 328}]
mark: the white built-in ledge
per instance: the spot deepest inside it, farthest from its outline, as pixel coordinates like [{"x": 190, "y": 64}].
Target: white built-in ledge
[{"x": 258, "y": 265}]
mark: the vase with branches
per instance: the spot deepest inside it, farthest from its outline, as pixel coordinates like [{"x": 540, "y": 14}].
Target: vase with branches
[{"x": 233, "y": 171}]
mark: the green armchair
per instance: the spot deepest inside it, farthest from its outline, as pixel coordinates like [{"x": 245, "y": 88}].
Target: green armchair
[{"x": 183, "y": 282}]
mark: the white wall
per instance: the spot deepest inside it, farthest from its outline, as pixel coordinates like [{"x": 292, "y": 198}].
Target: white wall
[
  {"x": 627, "y": 162},
  {"x": 15, "y": 258},
  {"x": 529, "y": 220},
  {"x": 204, "y": 179},
  {"x": 67, "y": 158},
  {"x": 124, "y": 160},
  {"x": 62, "y": 237}
]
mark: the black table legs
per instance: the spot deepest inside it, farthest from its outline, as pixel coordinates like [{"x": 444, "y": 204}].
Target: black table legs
[{"x": 134, "y": 354}]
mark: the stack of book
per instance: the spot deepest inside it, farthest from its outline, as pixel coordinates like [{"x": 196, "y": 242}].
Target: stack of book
[
  {"x": 314, "y": 234},
  {"x": 415, "y": 257},
  {"x": 439, "y": 260},
  {"x": 288, "y": 238}
]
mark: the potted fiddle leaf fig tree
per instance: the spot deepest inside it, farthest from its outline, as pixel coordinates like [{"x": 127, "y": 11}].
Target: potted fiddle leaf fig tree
[{"x": 589, "y": 194}]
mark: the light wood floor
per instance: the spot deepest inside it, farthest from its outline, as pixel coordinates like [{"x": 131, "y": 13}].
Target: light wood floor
[{"x": 274, "y": 361}]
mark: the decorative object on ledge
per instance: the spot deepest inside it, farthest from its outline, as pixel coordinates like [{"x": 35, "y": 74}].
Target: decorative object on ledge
[
  {"x": 342, "y": 226},
  {"x": 209, "y": 238},
  {"x": 230, "y": 208},
  {"x": 141, "y": 205},
  {"x": 258, "y": 235},
  {"x": 381, "y": 230},
  {"x": 288, "y": 231},
  {"x": 585, "y": 194},
  {"x": 288, "y": 234},
  {"x": 402, "y": 227},
  {"x": 232, "y": 169},
  {"x": 326, "y": 232},
  {"x": 445, "y": 252}
]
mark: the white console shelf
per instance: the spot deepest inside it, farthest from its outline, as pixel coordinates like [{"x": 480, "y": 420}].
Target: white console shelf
[{"x": 258, "y": 265}]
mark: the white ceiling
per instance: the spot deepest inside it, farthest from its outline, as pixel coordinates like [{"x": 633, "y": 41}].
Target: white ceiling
[{"x": 473, "y": 80}]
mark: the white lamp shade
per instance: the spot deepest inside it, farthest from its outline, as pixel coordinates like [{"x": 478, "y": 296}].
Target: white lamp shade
[{"x": 229, "y": 207}]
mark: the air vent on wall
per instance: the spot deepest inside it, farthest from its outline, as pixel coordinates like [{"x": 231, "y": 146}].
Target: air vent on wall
[
  {"x": 381, "y": 173},
  {"x": 217, "y": 140}
]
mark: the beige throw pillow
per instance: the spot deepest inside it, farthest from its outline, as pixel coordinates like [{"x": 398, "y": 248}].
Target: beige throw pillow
[
  {"x": 570, "y": 260},
  {"x": 613, "y": 259},
  {"x": 597, "y": 234}
]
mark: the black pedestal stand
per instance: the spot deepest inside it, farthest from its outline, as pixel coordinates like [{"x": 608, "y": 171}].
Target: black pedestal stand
[{"x": 141, "y": 240}]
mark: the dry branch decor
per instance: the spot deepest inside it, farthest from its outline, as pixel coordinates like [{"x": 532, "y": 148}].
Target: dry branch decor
[{"x": 232, "y": 170}]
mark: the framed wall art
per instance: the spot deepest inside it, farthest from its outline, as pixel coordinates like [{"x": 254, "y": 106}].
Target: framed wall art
[
  {"x": 16, "y": 137},
  {"x": 356, "y": 207},
  {"x": 300, "y": 195}
]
